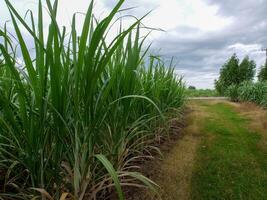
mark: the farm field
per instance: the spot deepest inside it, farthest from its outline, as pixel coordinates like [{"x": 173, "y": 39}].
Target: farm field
[
  {"x": 201, "y": 93},
  {"x": 91, "y": 110},
  {"x": 221, "y": 154},
  {"x": 76, "y": 111}
]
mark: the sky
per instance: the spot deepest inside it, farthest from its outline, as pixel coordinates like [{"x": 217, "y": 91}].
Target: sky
[{"x": 199, "y": 34}]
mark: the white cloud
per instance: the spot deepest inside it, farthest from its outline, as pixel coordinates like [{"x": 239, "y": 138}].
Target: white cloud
[
  {"x": 246, "y": 47},
  {"x": 201, "y": 80},
  {"x": 201, "y": 33}
]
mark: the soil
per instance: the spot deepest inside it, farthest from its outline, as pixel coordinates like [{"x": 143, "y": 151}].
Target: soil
[{"x": 172, "y": 172}]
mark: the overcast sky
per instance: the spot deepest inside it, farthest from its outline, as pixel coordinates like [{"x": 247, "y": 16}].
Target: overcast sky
[{"x": 199, "y": 34}]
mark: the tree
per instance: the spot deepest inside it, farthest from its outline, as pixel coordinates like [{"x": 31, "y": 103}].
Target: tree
[
  {"x": 233, "y": 73},
  {"x": 228, "y": 74},
  {"x": 247, "y": 70},
  {"x": 262, "y": 76},
  {"x": 191, "y": 87},
  {"x": 219, "y": 86}
]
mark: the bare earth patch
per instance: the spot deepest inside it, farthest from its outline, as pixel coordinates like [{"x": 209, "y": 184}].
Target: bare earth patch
[
  {"x": 175, "y": 182},
  {"x": 173, "y": 173}
]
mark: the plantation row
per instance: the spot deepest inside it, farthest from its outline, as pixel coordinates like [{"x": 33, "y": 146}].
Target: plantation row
[
  {"x": 193, "y": 92},
  {"x": 249, "y": 92},
  {"x": 78, "y": 112}
]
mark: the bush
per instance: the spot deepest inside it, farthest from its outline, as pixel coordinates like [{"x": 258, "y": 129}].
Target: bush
[
  {"x": 232, "y": 93},
  {"x": 191, "y": 87}
]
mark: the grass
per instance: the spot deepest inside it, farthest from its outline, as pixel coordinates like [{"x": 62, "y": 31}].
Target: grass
[
  {"x": 230, "y": 163},
  {"x": 201, "y": 93},
  {"x": 77, "y": 113}
]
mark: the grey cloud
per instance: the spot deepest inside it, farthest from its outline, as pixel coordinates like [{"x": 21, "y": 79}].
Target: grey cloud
[
  {"x": 245, "y": 7},
  {"x": 201, "y": 56}
]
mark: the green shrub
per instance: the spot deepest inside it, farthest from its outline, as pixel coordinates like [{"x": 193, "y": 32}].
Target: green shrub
[{"x": 232, "y": 93}]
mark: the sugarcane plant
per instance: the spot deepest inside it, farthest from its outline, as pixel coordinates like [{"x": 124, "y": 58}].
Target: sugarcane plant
[{"x": 77, "y": 112}]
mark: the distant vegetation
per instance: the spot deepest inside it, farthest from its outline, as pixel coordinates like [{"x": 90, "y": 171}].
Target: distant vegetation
[
  {"x": 236, "y": 81},
  {"x": 201, "y": 92},
  {"x": 76, "y": 112}
]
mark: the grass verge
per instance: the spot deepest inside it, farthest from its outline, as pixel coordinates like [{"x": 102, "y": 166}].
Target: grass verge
[{"x": 230, "y": 163}]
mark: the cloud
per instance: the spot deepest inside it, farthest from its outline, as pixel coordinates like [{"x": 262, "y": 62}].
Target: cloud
[
  {"x": 200, "y": 34},
  {"x": 201, "y": 52}
]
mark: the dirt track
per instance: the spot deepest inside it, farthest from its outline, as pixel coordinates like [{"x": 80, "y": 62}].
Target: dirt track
[
  {"x": 174, "y": 172},
  {"x": 207, "y": 98}
]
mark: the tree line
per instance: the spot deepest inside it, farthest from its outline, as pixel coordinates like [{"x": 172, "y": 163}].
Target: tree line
[{"x": 234, "y": 72}]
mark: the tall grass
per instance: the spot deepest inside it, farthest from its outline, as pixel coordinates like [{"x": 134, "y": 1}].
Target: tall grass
[
  {"x": 233, "y": 93},
  {"x": 249, "y": 92},
  {"x": 77, "y": 113}
]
